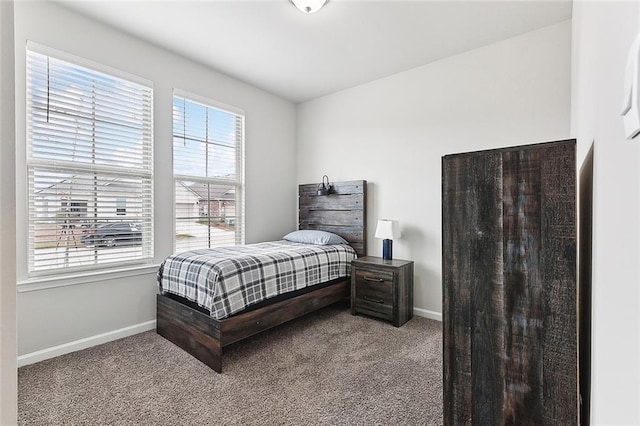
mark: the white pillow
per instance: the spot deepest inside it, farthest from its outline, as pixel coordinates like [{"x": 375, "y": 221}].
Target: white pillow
[{"x": 314, "y": 237}]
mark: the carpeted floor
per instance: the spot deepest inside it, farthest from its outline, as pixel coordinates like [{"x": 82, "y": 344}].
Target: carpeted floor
[{"x": 328, "y": 368}]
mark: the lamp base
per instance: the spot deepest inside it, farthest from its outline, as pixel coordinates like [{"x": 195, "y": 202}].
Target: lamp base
[{"x": 387, "y": 249}]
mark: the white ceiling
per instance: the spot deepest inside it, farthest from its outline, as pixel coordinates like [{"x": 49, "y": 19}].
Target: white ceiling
[{"x": 272, "y": 45}]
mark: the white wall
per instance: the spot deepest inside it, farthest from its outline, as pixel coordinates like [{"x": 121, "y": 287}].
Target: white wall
[
  {"x": 394, "y": 131},
  {"x": 602, "y": 35},
  {"x": 8, "y": 374},
  {"x": 58, "y": 316}
]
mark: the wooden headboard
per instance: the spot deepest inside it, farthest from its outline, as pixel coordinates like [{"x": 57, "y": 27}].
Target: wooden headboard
[{"x": 343, "y": 212}]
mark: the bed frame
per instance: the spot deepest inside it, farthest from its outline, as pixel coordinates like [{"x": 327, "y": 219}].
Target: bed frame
[{"x": 342, "y": 212}]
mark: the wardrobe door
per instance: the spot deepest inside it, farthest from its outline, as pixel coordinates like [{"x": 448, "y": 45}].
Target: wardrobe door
[{"x": 509, "y": 286}]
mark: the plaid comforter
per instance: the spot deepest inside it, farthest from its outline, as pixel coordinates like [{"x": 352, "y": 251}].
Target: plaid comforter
[{"x": 226, "y": 280}]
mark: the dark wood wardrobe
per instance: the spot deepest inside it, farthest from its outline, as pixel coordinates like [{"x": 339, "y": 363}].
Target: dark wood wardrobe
[{"x": 509, "y": 286}]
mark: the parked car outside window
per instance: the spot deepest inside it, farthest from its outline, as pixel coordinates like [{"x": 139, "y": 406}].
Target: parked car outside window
[{"x": 113, "y": 234}]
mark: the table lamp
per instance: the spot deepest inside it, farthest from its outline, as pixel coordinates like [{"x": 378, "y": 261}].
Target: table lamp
[{"x": 387, "y": 230}]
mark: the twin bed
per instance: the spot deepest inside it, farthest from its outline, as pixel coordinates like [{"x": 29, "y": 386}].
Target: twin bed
[{"x": 210, "y": 299}]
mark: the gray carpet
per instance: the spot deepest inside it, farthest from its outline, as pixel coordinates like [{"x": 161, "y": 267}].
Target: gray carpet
[{"x": 328, "y": 368}]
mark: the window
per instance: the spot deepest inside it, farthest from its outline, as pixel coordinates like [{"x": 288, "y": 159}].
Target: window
[
  {"x": 121, "y": 206},
  {"x": 89, "y": 155},
  {"x": 208, "y": 169},
  {"x": 74, "y": 208}
]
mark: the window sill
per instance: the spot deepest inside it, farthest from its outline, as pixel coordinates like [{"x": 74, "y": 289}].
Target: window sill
[{"x": 43, "y": 283}]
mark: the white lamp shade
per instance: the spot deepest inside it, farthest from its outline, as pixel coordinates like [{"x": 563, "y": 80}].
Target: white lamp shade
[
  {"x": 308, "y": 6},
  {"x": 387, "y": 229}
]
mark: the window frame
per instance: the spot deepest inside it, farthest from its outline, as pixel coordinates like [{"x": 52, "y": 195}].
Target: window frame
[
  {"x": 239, "y": 183},
  {"x": 98, "y": 267}
]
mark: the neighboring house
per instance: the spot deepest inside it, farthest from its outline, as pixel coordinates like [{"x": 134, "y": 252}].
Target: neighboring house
[
  {"x": 187, "y": 201},
  {"x": 194, "y": 200},
  {"x": 70, "y": 205}
]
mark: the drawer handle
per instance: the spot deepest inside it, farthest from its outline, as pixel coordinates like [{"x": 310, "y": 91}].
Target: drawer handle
[
  {"x": 375, "y": 280},
  {"x": 371, "y": 299}
]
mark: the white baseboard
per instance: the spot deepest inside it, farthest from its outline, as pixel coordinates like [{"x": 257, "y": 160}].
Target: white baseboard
[
  {"x": 428, "y": 314},
  {"x": 85, "y": 343}
]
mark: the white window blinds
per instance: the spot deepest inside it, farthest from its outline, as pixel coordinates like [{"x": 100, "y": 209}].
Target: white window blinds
[
  {"x": 89, "y": 165},
  {"x": 208, "y": 170}
]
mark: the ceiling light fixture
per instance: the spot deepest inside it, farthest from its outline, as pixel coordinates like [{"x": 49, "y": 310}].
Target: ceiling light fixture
[{"x": 309, "y": 6}]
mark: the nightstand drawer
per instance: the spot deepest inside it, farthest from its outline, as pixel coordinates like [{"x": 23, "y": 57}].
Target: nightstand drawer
[
  {"x": 374, "y": 309},
  {"x": 378, "y": 292},
  {"x": 374, "y": 276}
]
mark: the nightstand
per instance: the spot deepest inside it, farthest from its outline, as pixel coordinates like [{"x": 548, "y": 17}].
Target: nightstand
[{"x": 382, "y": 289}]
